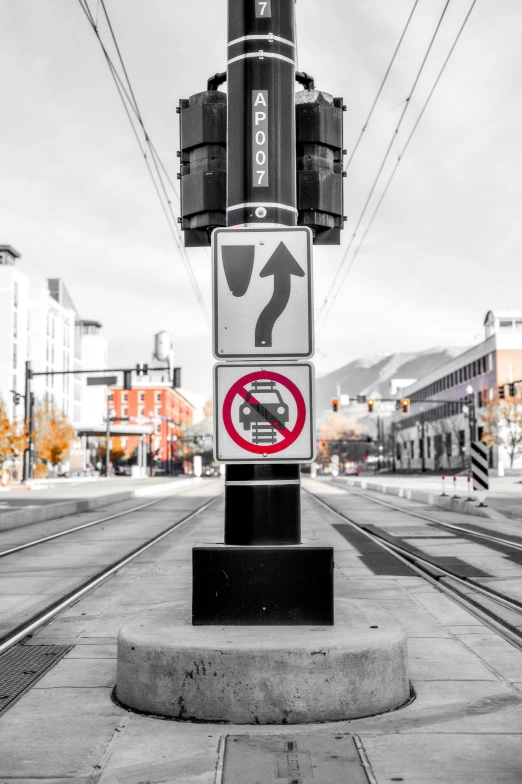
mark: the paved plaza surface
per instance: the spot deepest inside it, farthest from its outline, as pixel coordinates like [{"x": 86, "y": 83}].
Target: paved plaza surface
[{"x": 464, "y": 724}]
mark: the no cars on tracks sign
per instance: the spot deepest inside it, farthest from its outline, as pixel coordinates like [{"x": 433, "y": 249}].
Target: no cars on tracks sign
[{"x": 264, "y": 414}]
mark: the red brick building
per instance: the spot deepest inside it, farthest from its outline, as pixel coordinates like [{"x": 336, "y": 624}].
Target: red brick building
[{"x": 166, "y": 409}]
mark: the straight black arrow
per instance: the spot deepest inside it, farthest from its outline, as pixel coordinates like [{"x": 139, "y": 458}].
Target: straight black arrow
[{"x": 281, "y": 265}]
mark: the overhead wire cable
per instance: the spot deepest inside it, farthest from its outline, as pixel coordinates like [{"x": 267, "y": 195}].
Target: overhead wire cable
[
  {"x": 128, "y": 100},
  {"x": 400, "y": 157},
  {"x": 383, "y": 163},
  {"x": 381, "y": 87},
  {"x": 155, "y": 157}
]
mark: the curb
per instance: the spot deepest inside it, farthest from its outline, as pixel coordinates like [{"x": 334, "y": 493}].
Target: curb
[
  {"x": 10, "y": 520},
  {"x": 433, "y": 499}
]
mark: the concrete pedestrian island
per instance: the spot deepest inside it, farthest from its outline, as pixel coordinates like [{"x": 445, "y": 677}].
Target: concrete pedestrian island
[{"x": 261, "y": 674}]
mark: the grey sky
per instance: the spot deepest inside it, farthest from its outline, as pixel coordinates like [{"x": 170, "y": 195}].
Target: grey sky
[{"x": 76, "y": 200}]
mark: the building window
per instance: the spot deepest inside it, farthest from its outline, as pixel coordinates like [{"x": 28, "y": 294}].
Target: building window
[
  {"x": 462, "y": 440},
  {"x": 157, "y": 411},
  {"x": 157, "y": 396},
  {"x": 412, "y": 448},
  {"x": 157, "y": 427},
  {"x": 15, "y": 325},
  {"x": 15, "y": 364},
  {"x": 428, "y": 446},
  {"x": 505, "y": 324},
  {"x": 15, "y": 295},
  {"x": 141, "y": 397},
  {"x": 124, "y": 410},
  {"x": 398, "y": 450},
  {"x": 141, "y": 411},
  {"x": 124, "y": 397},
  {"x": 449, "y": 444}
]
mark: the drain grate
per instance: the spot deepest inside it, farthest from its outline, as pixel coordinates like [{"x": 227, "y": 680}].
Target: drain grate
[
  {"x": 22, "y": 665},
  {"x": 382, "y": 563}
]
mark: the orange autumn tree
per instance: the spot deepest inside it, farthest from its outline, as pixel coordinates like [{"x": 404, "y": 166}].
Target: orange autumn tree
[
  {"x": 502, "y": 424},
  {"x": 12, "y": 436},
  {"x": 335, "y": 438},
  {"x": 53, "y": 433}
]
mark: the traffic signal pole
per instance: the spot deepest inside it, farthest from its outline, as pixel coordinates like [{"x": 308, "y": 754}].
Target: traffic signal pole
[
  {"x": 260, "y": 575},
  {"x": 262, "y": 501}
]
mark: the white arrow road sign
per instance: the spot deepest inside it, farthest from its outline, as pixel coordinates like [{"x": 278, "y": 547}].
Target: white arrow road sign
[
  {"x": 264, "y": 414},
  {"x": 262, "y": 293}
]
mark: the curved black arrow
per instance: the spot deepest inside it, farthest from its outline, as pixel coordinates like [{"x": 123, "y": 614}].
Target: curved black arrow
[{"x": 281, "y": 265}]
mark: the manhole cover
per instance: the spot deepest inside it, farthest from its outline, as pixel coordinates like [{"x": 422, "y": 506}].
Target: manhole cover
[{"x": 22, "y": 665}]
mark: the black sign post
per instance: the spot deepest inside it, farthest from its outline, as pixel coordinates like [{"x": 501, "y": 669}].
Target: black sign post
[{"x": 262, "y": 574}]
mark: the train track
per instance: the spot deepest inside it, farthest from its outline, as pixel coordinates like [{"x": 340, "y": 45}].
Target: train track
[
  {"x": 58, "y": 605},
  {"x": 500, "y": 612},
  {"x": 65, "y": 532}
]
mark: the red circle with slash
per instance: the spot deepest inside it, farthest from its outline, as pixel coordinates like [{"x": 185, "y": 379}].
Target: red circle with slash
[{"x": 238, "y": 388}]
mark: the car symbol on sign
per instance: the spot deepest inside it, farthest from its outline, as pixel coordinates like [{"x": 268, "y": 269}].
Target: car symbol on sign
[{"x": 265, "y": 409}]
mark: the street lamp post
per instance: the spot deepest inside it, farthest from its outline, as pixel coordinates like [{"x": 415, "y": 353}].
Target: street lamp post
[{"x": 421, "y": 431}]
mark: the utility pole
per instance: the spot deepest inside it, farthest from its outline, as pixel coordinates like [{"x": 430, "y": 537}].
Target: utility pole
[
  {"x": 265, "y": 565},
  {"x": 108, "y": 434},
  {"x": 28, "y": 424},
  {"x": 261, "y": 194}
]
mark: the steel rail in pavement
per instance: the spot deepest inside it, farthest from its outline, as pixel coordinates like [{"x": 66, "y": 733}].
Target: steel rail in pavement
[
  {"x": 42, "y": 539},
  {"x": 424, "y": 568},
  {"x": 455, "y": 527},
  {"x": 21, "y": 631}
]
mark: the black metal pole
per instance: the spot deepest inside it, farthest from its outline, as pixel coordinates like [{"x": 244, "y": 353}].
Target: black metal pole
[
  {"x": 108, "y": 434},
  {"x": 262, "y": 501},
  {"x": 423, "y": 445},
  {"x": 26, "y": 469}
]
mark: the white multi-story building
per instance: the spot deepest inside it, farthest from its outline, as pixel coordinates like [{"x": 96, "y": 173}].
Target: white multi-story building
[
  {"x": 39, "y": 323},
  {"x": 14, "y": 331},
  {"x": 94, "y": 356},
  {"x": 52, "y": 347}
]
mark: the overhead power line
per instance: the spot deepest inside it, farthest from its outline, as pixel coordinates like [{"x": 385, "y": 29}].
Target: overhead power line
[
  {"x": 157, "y": 170},
  {"x": 394, "y": 136},
  {"x": 399, "y": 159},
  {"x": 381, "y": 87}
]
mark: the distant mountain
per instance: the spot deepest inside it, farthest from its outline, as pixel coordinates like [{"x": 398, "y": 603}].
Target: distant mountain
[{"x": 372, "y": 375}]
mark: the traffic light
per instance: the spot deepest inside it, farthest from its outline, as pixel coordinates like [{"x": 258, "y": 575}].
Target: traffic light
[
  {"x": 405, "y": 405},
  {"x": 127, "y": 379},
  {"x": 512, "y": 389},
  {"x": 501, "y": 392},
  {"x": 176, "y": 378},
  {"x": 370, "y": 405},
  {"x": 142, "y": 369},
  {"x": 203, "y": 160},
  {"x": 335, "y": 404},
  {"x": 319, "y": 137}
]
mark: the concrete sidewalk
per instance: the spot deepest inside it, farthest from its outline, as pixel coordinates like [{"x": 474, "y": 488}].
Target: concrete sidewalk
[
  {"x": 463, "y": 727},
  {"x": 507, "y": 503}
]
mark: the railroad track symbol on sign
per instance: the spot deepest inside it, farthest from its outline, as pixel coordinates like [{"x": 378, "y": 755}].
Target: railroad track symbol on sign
[
  {"x": 264, "y": 412},
  {"x": 262, "y": 293}
]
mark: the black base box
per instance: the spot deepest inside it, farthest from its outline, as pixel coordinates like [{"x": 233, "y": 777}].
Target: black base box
[{"x": 288, "y": 585}]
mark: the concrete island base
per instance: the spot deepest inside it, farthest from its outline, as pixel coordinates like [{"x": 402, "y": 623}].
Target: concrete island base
[{"x": 263, "y": 674}]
